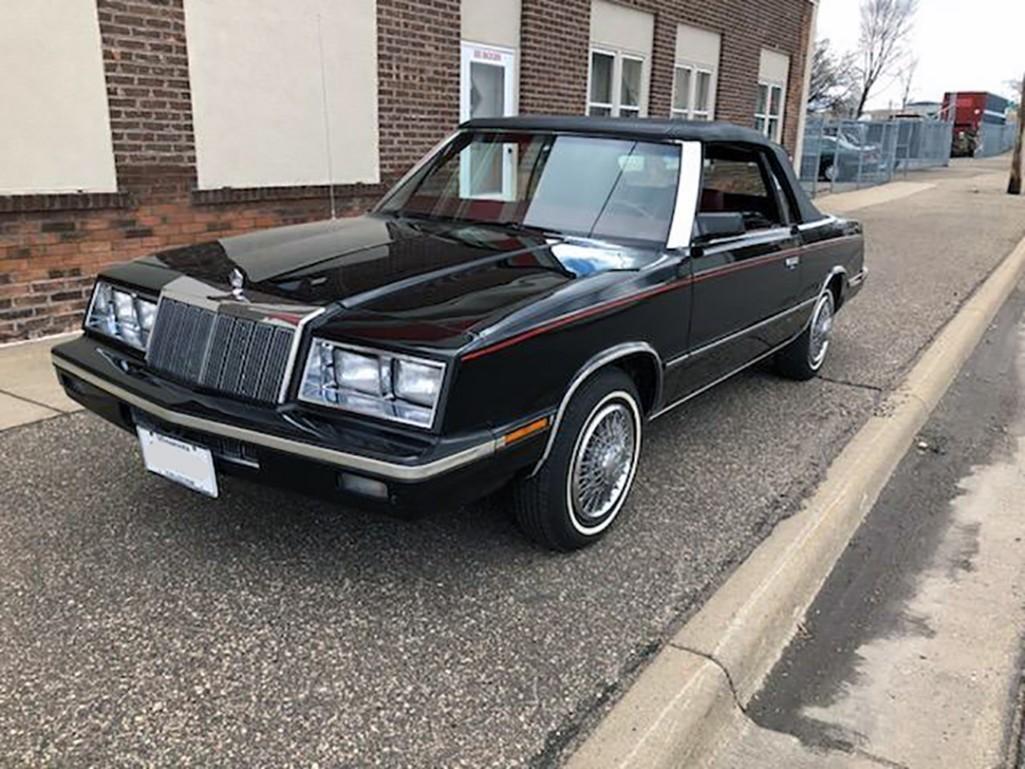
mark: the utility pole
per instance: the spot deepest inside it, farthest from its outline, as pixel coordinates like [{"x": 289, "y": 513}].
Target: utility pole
[{"x": 1014, "y": 185}]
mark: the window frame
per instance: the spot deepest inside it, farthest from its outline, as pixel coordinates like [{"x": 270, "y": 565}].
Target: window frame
[
  {"x": 610, "y": 105},
  {"x": 616, "y": 106},
  {"x": 690, "y": 112},
  {"x": 768, "y": 114},
  {"x": 775, "y": 186},
  {"x": 397, "y": 200}
]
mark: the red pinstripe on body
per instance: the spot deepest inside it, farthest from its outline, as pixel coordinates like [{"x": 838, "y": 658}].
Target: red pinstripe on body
[{"x": 634, "y": 298}]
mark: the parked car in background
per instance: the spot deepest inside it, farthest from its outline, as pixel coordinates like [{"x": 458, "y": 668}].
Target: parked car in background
[
  {"x": 515, "y": 310},
  {"x": 842, "y": 157}
]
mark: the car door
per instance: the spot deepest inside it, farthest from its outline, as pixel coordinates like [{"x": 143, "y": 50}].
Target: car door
[{"x": 745, "y": 285}]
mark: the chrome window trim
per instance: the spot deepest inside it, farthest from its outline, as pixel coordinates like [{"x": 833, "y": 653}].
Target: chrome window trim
[
  {"x": 391, "y": 470},
  {"x": 754, "y": 237},
  {"x": 688, "y": 188},
  {"x": 595, "y": 363},
  {"x": 828, "y": 219},
  {"x": 428, "y": 157}
]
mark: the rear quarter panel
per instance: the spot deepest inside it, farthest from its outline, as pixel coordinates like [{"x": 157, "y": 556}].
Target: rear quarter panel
[{"x": 834, "y": 243}]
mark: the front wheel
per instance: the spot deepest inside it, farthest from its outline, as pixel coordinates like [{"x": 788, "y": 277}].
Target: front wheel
[
  {"x": 803, "y": 357},
  {"x": 582, "y": 486}
]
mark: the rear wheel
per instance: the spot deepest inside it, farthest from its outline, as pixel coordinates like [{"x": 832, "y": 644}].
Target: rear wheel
[
  {"x": 803, "y": 358},
  {"x": 582, "y": 486}
]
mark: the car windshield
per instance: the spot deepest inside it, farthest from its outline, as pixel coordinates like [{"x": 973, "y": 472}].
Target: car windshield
[{"x": 603, "y": 188}]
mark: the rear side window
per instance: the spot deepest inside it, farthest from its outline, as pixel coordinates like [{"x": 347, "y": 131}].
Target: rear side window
[{"x": 737, "y": 180}]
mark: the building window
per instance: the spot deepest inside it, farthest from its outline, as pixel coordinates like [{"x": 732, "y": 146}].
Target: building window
[
  {"x": 692, "y": 93},
  {"x": 602, "y": 66},
  {"x": 616, "y": 83},
  {"x": 773, "y": 75},
  {"x": 694, "y": 78},
  {"x": 769, "y": 110}
]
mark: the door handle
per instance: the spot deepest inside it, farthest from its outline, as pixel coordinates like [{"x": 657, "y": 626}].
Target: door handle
[{"x": 792, "y": 261}]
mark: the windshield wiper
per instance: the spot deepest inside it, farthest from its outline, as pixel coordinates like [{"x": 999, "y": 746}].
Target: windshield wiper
[{"x": 521, "y": 227}]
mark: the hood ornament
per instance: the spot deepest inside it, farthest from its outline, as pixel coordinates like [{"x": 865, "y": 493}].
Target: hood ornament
[{"x": 237, "y": 281}]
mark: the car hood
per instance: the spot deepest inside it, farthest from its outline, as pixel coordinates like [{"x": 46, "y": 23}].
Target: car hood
[{"x": 457, "y": 275}]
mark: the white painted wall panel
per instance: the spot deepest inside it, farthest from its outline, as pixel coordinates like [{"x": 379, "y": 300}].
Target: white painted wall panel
[
  {"x": 494, "y": 22},
  {"x": 621, "y": 28},
  {"x": 696, "y": 46},
  {"x": 55, "y": 127},
  {"x": 257, "y": 98},
  {"x": 774, "y": 67}
]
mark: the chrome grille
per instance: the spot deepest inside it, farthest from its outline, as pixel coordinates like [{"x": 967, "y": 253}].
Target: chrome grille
[{"x": 228, "y": 354}]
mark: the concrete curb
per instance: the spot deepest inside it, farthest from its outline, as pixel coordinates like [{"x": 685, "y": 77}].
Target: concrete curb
[{"x": 681, "y": 703}]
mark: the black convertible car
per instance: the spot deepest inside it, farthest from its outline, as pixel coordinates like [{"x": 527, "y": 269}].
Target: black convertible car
[{"x": 515, "y": 309}]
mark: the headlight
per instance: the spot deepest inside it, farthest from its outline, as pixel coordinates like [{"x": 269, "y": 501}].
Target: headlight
[
  {"x": 417, "y": 382},
  {"x": 363, "y": 373},
  {"x": 380, "y": 384},
  {"x": 121, "y": 314}
]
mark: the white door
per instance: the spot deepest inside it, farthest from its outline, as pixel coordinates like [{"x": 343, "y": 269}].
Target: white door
[{"x": 488, "y": 89}]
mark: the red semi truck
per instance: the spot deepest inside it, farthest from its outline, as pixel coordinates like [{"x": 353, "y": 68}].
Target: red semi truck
[{"x": 970, "y": 111}]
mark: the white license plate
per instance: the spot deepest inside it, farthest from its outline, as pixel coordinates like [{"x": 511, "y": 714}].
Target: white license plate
[{"x": 182, "y": 462}]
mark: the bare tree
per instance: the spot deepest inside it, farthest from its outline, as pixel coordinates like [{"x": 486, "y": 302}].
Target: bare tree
[
  {"x": 1010, "y": 90},
  {"x": 907, "y": 79},
  {"x": 885, "y": 28},
  {"x": 832, "y": 84}
]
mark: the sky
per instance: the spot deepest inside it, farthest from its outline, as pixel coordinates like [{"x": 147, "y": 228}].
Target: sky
[{"x": 962, "y": 45}]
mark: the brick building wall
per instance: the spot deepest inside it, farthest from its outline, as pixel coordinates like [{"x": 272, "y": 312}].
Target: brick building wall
[
  {"x": 556, "y": 40},
  {"x": 418, "y": 78},
  {"x": 51, "y": 246},
  {"x": 554, "y": 45}
]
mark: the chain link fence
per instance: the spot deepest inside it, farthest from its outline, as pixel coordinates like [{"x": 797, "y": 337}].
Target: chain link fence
[
  {"x": 995, "y": 139},
  {"x": 849, "y": 154}
]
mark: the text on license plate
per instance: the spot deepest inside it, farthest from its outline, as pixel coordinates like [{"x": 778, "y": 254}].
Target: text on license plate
[{"x": 180, "y": 461}]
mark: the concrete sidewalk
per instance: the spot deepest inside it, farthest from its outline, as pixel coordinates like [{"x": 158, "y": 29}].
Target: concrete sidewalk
[
  {"x": 29, "y": 390},
  {"x": 910, "y": 655}
]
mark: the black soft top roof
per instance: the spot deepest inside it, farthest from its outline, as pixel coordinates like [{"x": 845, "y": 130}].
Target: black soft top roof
[
  {"x": 655, "y": 128},
  {"x": 648, "y": 128}
]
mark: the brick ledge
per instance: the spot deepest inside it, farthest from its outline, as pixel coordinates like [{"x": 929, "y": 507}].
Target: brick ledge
[
  {"x": 62, "y": 201},
  {"x": 227, "y": 195}
]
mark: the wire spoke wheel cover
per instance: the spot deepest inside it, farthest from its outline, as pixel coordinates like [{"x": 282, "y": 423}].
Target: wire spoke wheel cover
[
  {"x": 603, "y": 463},
  {"x": 821, "y": 325}
]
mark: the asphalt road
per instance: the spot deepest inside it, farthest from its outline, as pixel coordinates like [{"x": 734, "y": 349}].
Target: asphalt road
[{"x": 141, "y": 624}]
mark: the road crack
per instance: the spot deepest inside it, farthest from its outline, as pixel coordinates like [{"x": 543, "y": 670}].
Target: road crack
[
  {"x": 729, "y": 678},
  {"x": 849, "y": 383}
]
